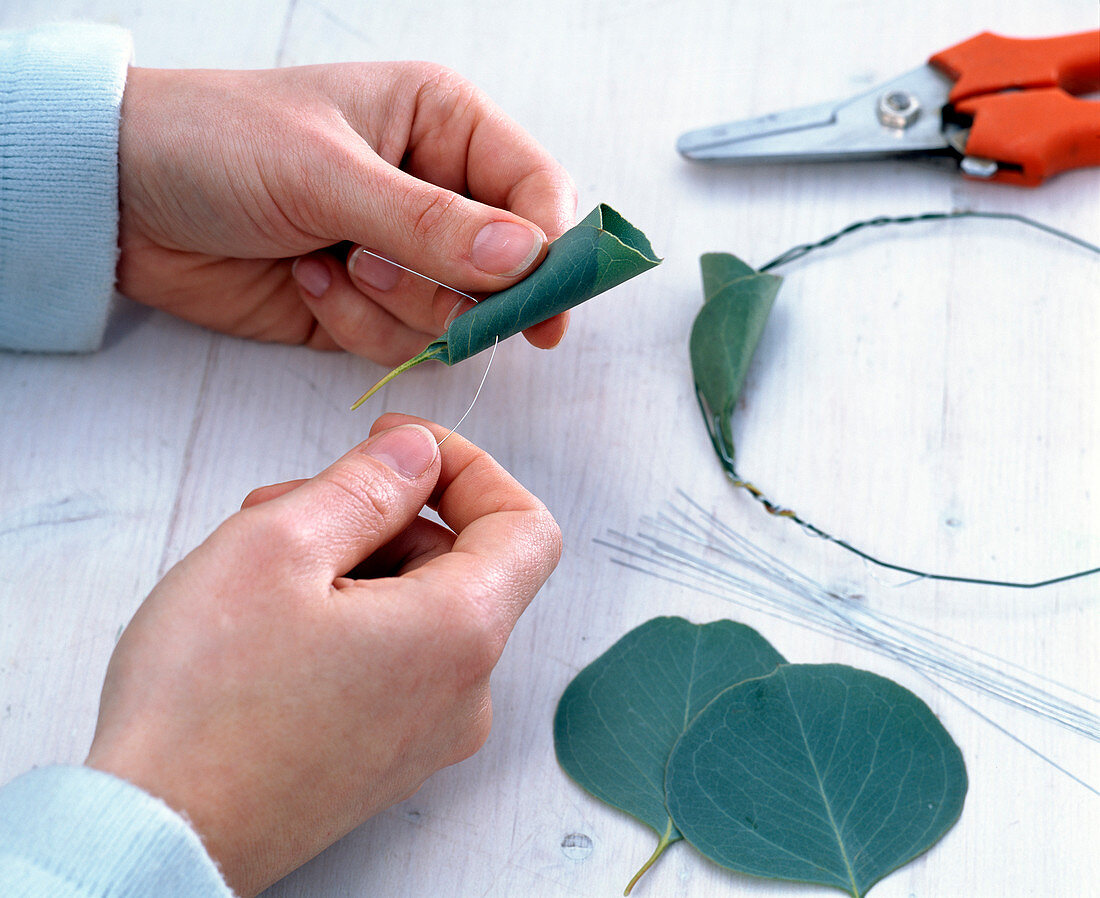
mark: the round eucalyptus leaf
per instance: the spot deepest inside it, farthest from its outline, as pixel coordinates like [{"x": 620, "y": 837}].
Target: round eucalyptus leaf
[
  {"x": 617, "y": 721},
  {"x": 816, "y": 773}
]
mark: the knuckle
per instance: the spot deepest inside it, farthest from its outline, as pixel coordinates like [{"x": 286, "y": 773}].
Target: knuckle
[
  {"x": 541, "y": 540},
  {"x": 473, "y": 641},
  {"x": 472, "y": 737},
  {"x": 554, "y": 176},
  {"x": 316, "y": 164},
  {"x": 269, "y": 531},
  {"x": 481, "y": 646},
  {"x": 437, "y": 92},
  {"x": 484, "y": 656},
  {"x": 550, "y": 534},
  {"x": 369, "y": 496},
  {"x": 432, "y": 215},
  {"x": 441, "y": 81},
  {"x": 390, "y": 353},
  {"x": 358, "y": 328},
  {"x": 254, "y": 496}
]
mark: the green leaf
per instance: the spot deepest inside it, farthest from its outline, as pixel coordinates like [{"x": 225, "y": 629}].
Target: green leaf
[
  {"x": 617, "y": 721},
  {"x": 737, "y": 301},
  {"x": 601, "y": 252},
  {"x": 816, "y": 773}
]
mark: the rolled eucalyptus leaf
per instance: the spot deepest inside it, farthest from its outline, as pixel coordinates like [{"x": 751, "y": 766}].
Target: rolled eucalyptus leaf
[
  {"x": 816, "y": 773},
  {"x": 618, "y": 720},
  {"x": 601, "y": 252},
  {"x": 737, "y": 301}
]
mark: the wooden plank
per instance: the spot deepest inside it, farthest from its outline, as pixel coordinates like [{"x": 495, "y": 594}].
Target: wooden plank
[
  {"x": 95, "y": 448},
  {"x": 927, "y": 392},
  {"x": 239, "y": 35},
  {"x": 884, "y": 399},
  {"x": 93, "y": 459}
]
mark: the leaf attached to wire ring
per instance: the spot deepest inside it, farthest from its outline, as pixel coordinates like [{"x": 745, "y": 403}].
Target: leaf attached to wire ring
[{"x": 737, "y": 301}]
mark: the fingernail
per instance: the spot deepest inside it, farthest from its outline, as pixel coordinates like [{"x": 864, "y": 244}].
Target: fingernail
[
  {"x": 312, "y": 275},
  {"x": 463, "y": 305},
  {"x": 409, "y": 449},
  {"x": 373, "y": 271},
  {"x": 505, "y": 248}
]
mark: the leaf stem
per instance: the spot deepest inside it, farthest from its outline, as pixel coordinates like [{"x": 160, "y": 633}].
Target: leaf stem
[
  {"x": 428, "y": 353},
  {"x": 666, "y": 840}
]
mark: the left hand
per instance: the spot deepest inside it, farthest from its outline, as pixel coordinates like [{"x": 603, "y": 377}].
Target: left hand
[{"x": 240, "y": 190}]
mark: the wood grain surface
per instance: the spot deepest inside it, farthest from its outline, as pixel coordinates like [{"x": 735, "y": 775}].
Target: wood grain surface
[{"x": 930, "y": 393}]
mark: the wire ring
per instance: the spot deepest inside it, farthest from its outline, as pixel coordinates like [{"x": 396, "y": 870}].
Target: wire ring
[{"x": 714, "y": 423}]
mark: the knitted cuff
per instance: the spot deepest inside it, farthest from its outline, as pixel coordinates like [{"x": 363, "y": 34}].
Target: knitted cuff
[
  {"x": 60, "y": 94},
  {"x": 75, "y": 832}
]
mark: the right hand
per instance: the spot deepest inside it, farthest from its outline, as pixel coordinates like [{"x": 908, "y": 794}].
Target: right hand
[{"x": 326, "y": 649}]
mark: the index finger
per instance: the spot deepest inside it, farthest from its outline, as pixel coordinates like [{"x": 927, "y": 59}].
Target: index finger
[
  {"x": 507, "y": 542},
  {"x": 508, "y": 168},
  {"x": 525, "y": 179},
  {"x": 463, "y": 141}
]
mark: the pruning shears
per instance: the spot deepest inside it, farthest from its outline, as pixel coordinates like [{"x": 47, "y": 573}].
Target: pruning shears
[{"x": 1006, "y": 109}]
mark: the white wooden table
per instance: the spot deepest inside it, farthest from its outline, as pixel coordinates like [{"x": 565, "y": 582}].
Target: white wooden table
[{"x": 930, "y": 393}]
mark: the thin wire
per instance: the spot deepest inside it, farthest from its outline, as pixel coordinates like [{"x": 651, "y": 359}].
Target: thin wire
[
  {"x": 492, "y": 355},
  {"x": 725, "y": 455},
  {"x": 923, "y": 674},
  {"x": 368, "y": 252},
  {"x": 848, "y": 616},
  {"x": 496, "y": 339},
  {"x": 692, "y": 547},
  {"x": 797, "y": 252}
]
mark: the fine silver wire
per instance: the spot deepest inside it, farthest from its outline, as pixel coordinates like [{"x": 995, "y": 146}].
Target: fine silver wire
[
  {"x": 798, "y": 252},
  {"x": 768, "y": 565},
  {"x": 368, "y": 252},
  {"x": 492, "y": 355},
  {"x": 496, "y": 339},
  {"x": 692, "y": 547}
]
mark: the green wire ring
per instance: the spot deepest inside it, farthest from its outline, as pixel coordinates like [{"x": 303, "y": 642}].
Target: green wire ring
[{"x": 797, "y": 252}]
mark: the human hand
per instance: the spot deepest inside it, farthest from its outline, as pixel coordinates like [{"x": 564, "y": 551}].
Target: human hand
[
  {"x": 228, "y": 177},
  {"x": 326, "y": 649}
]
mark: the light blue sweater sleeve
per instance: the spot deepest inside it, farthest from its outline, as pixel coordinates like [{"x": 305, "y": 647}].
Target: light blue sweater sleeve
[
  {"x": 74, "y": 832},
  {"x": 60, "y": 94}
]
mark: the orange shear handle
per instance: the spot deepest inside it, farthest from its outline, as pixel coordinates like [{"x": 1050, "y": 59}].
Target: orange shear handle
[
  {"x": 1033, "y": 134},
  {"x": 989, "y": 63},
  {"x": 1018, "y": 93}
]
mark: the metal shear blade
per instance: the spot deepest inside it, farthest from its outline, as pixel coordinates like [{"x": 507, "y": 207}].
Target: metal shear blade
[{"x": 900, "y": 117}]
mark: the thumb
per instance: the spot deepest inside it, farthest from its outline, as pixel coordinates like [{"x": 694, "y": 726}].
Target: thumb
[
  {"x": 453, "y": 239},
  {"x": 360, "y": 502}
]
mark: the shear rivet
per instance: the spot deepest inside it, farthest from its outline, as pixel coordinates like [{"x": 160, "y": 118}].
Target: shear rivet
[{"x": 898, "y": 109}]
